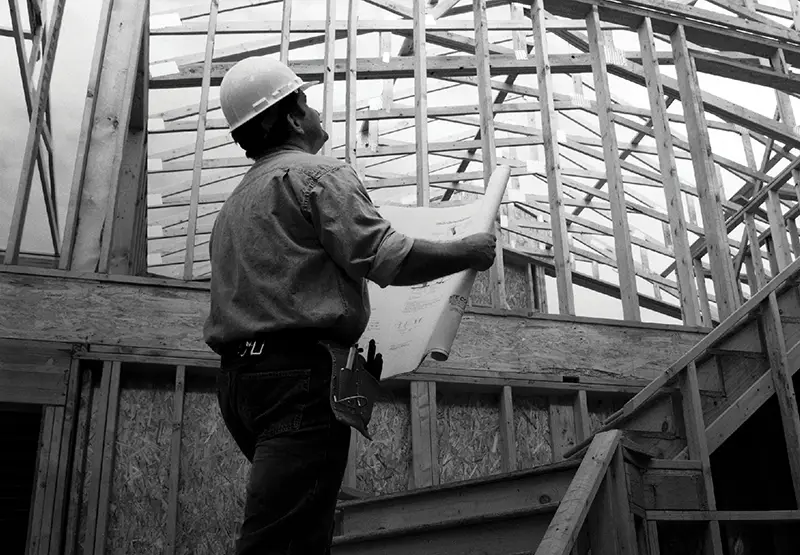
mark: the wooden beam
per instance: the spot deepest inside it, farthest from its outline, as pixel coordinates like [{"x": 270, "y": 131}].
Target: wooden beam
[
  {"x": 33, "y": 138},
  {"x": 773, "y": 338},
  {"x": 561, "y": 249},
  {"x": 421, "y": 100},
  {"x": 705, "y": 177},
  {"x": 286, "y": 31},
  {"x": 563, "y": 531},
  {"x": 618, "y": 482},
  {"x": 175, "y": 461},
  {"x": 94, "y": 229},
  {"x": 164, "y": 314},
  {"x": 717, "y": 334},
  {"x": 562, "y": 426},
  {"x": 188, "y": 265},
  {"x": 672, "y": 191},
  {"x": 130, "y": 216},
  {"x": 707, "y": 28},
  {"x": 425, "y": 451},
  {"x": 66, "y": 460},
  {"x": 780, "y": 516},
  {"x": 627, "y": 276},
  {"x": 47, "y": 178},
  {"x": 496, "y": 272},
  {"x": 351, "y": 142},
  {"x": 698, "y": 447},
  {"x": 507, "y": 436}
]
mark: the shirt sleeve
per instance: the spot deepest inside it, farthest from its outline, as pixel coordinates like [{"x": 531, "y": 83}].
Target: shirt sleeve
[{"x": 351, "y": 229}]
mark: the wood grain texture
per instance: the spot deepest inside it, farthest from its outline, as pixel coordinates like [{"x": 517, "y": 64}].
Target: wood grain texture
[
  {"x": 574, "y": 507},
  {"x": 126, "y": 315},
  {"x": 33, "y": 372}
]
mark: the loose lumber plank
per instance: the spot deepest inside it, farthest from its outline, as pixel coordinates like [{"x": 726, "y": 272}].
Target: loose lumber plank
[
  {"x": 561, "y": 249},
  {"x": 563, "y": 531},
  {"x": 619, "y": 216}
]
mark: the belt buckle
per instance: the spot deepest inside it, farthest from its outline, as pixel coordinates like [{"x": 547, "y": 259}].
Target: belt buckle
[
  {"x": 260, "y": 345},
  {"x": 249, "y": 348}
]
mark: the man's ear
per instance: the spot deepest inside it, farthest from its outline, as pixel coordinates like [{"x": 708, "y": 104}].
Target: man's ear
[{"x": 295, "y": 121}]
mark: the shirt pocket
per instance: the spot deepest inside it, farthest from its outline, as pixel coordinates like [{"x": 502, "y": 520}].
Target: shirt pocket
[{"x": 272, "y": 402}]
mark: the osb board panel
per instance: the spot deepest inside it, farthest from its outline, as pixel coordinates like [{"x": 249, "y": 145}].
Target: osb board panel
[
  {"x": 517, "y": 287},
  {"x": 468, "y": 436},
  {"x": 481, "y": 294},
  {"x": 383, "y": 465},
  {"x": 532, "y": 432},
  {"x": 140, "y": 482},
  {"x": 564, "y": 347},
  {"x": 213, "y": 482},
  {"x": 33, "y": 373}
]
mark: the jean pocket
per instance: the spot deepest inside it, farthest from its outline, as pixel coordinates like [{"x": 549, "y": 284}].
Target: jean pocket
[{"x": 272, "y": 402}]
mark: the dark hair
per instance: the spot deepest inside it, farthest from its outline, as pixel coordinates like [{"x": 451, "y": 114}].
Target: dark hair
[{"x": 252, "y": 137}]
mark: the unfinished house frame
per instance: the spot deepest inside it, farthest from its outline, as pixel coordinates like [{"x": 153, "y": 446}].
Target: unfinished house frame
[{"x": 547, "y": 431}]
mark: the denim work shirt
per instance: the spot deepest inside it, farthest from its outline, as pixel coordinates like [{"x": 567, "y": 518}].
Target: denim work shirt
[{"x": 292, "y": 247}]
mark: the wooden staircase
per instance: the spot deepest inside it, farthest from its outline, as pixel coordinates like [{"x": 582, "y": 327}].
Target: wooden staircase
[{"x": 648, "y": 463}]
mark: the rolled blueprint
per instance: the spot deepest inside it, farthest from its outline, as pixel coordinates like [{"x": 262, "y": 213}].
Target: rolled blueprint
[{"x": 410, "y": 323}]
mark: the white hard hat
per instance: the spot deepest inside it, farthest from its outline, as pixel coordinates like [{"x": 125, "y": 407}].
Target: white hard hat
[{"x": 253, "y": 85}]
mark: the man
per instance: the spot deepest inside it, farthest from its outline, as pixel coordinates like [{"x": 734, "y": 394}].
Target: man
[{"x": 291, "y": 251}]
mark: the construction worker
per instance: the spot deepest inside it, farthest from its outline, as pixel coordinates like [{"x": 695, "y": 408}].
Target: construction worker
[{"x": 291, "y": 249}]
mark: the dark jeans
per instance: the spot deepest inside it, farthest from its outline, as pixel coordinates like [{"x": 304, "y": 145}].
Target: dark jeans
[{"x": 277, "y": 409}]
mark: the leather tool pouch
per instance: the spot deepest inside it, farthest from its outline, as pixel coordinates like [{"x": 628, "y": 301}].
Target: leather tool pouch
[{"x": 353, "y": 391}]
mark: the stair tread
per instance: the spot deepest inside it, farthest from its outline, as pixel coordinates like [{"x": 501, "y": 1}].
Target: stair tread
[
  {"x": 444, "y": 524},
  {"x": 465, "y": 484}
]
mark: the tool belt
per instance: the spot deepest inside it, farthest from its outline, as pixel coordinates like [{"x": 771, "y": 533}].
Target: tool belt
[{"x": 355, "y": 385}]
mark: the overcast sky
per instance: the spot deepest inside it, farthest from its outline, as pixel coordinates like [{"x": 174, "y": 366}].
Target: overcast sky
[{"x": 72, "y": 70}]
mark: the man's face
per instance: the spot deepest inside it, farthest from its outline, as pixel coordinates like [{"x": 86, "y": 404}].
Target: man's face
[{"x": 315, "y": 135}]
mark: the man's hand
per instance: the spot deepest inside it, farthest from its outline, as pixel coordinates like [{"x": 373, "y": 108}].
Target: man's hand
[{"x": 480, "y": 249}]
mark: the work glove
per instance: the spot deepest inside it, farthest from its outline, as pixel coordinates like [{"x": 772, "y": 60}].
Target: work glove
[{"x": 374, "y": 361}]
